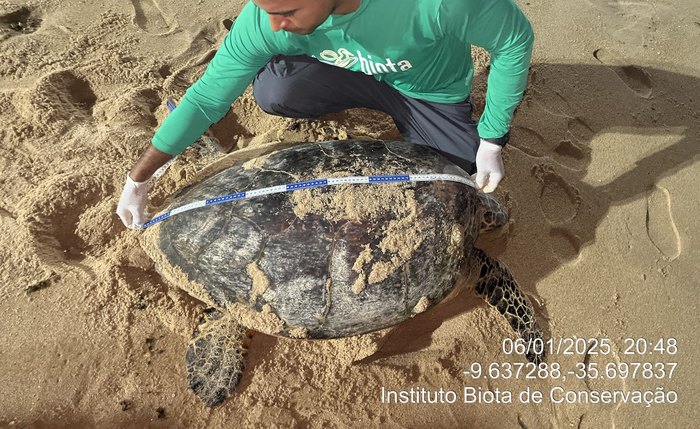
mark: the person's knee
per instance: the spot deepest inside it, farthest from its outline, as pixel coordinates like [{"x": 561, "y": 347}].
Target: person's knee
[
  {"x": 270, "y": 94},
  {"x": 277, "y": 95}
]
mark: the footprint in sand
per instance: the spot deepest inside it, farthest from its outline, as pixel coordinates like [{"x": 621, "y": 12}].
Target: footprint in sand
[
  {"x": 630, "y": 22},
  {"x": 149, "y": 17},
  {"x": 660, "y": 226},
  {"x": 59, "y": 100},
  {"x": 528, "y": 140},
  {"x": 574, "y": 152},
  {"x": 565, "y": 244},
  {"x": 570, "y": 154},
  {"x": 53, "y": 213},
  {"x": 636, "y": 78},
  {"x": 16, "y": 20},
  {"x": 559, "y": 200},
  {"x": 552, "y": 101}
]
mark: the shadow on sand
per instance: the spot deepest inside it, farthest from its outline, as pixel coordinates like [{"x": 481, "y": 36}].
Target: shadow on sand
[{"x": 560, "y": 167}]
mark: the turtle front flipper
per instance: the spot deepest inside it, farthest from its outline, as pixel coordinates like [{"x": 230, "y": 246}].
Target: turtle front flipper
[
  {"x": 493, "y": 213},
  {"x": 497, "y": 286},
  {"x": 215, "y": 358}
]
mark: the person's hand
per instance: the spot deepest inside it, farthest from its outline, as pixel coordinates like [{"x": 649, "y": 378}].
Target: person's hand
[
  {"x": 489, "y": 166},
  {"x": 132, "y": 203}
]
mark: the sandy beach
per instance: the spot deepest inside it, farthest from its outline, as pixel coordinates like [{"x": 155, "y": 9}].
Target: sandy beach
[{"x": 602, "y": 185}]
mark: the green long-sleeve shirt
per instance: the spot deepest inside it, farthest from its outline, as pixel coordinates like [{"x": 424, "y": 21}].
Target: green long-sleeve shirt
[{"x": 420, "y": 47}]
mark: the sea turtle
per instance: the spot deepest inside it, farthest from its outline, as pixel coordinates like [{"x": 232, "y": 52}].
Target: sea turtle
[{"x": 327, "y": 262}]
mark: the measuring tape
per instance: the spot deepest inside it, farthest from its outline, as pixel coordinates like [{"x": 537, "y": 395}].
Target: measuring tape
[{"x": 315, "y": 183}]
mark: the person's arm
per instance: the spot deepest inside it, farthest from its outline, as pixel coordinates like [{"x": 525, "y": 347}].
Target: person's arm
[
  {"x": 147, "y": 164},
  {"x": 243, "y": 52},
  {"x": 132, "y": 202},
  {"x": 501, "y": 28}
]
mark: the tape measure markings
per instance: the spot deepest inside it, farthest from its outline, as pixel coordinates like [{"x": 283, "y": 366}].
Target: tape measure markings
[
  {"x": 267, "y": 191},
  {"x": 307, "y": 184},
  {"x": 390, "y": 178}
]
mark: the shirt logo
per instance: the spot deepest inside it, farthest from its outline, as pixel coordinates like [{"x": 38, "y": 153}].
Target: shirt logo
[
  {"x": 346, "y": 59},
  {"x": 343, "y": 58}
]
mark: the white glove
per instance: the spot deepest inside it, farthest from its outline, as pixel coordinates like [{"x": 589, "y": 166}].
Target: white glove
[
  {"x": 489, "y": 166},
  {"x": 132, "y": 203}
]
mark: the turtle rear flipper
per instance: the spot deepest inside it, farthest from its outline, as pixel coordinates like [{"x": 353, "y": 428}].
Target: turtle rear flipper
[
  {"x": 215, "y": 358},
  {"x": 497, "y": 286},
  {"x": 493, "y": 213}
]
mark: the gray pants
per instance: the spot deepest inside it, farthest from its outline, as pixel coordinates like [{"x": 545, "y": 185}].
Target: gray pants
[{"x": 302, "y": 87}]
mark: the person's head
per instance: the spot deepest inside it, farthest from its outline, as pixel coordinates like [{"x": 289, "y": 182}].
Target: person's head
[{"x": 302, "y": 16}]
